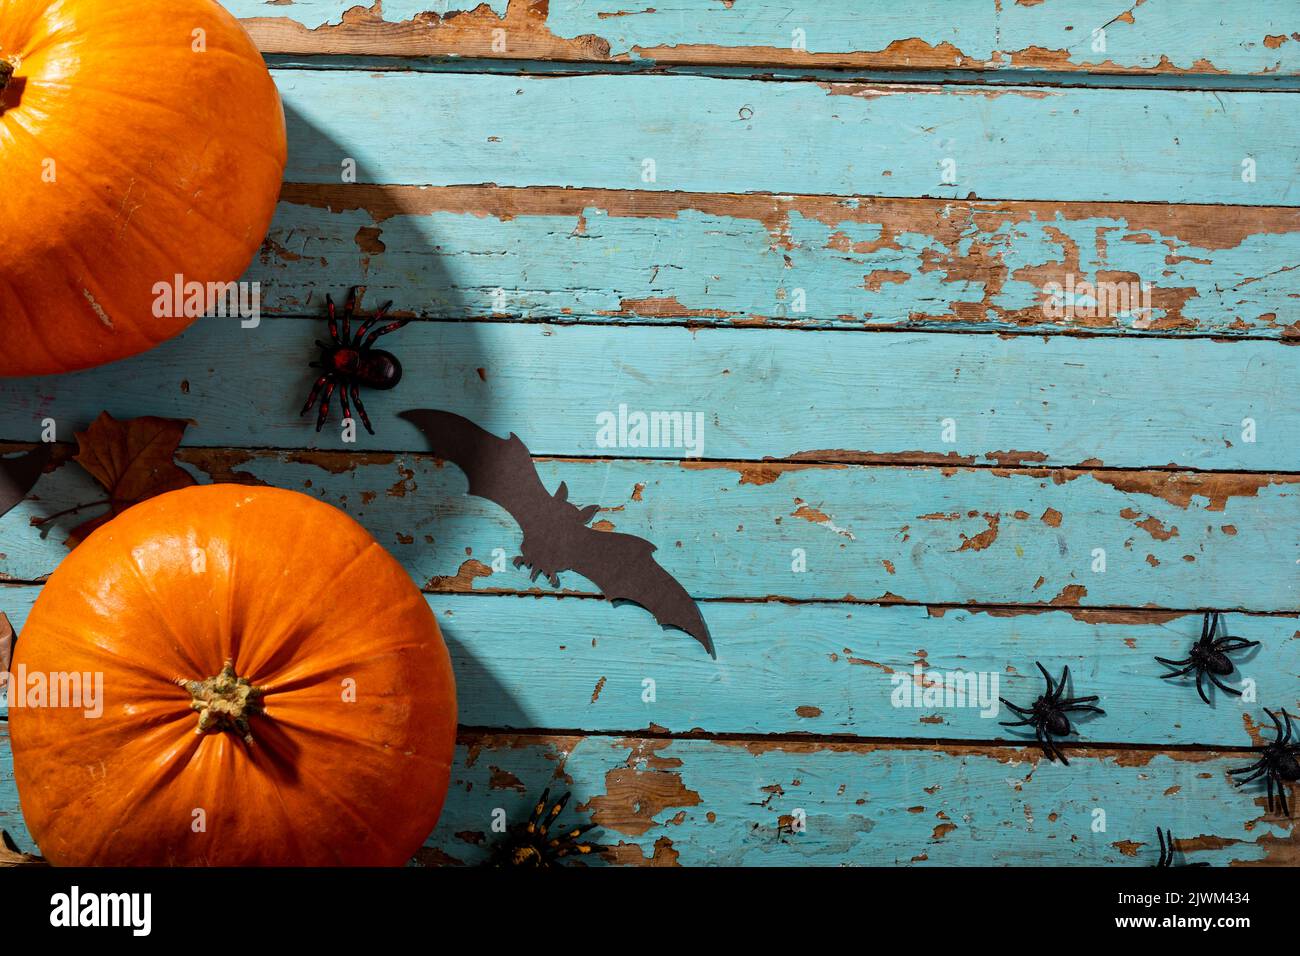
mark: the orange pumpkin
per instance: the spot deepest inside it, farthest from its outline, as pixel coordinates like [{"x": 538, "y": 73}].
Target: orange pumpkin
[
  {"x": 139, "y": 141},
  {"x": 275, "y": 691}
]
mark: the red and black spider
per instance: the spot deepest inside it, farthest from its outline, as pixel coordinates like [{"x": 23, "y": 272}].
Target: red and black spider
[
  {"x": 1049, "y": 714},
  {"x": 1209, "y": 657},
  {"x": 531, "y": 844},
  {"x": 1169, "y": 848},
  {"x": 1277, "y": 763},
  {"x": 349, "y": 361}
]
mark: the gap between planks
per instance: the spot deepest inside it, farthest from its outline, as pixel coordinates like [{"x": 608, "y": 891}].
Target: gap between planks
[
  {"x": 775, "y": 73},
  {"x": 1097, "y": 749}
]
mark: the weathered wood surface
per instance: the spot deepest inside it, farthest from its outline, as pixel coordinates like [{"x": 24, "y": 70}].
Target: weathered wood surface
[
  {"x": 922, "y": 535},
  {"x": 828, "y": 670},
  {"x": 807, "y": 261},
  {"x": 695, "y": 802},
  {"x": 829, "y": 396},
  {"x": 793, "y": 137},
  {"x": 1177, "y": 37},
  {"x": 770, "y": 189}
]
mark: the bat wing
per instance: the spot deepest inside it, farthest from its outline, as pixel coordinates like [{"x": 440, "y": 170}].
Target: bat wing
[
  {"x": 499, "y": 469},
  {"x": 624, "y": 568},
  {"x": 18, "y": 475}
]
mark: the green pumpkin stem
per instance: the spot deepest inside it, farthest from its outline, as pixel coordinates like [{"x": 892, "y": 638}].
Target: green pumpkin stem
[{"x": 225, "y": 702}]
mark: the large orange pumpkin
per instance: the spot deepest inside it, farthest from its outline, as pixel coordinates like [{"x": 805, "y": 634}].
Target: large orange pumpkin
[
  {"x": 219, "y": 613},
  {"x": 139, "y": 141}
]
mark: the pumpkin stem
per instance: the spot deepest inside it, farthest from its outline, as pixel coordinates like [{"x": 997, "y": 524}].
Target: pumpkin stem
[{"x": 225, "y": 702}]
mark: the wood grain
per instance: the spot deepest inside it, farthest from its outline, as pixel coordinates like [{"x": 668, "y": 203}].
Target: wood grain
[
  {"x": 1009, "y": 143},
  {"x": 922, "y": 535},
  {"x": 832, "y": 396},
  {"x": 587, "y": 255},
  {"x": 1161, "y": 37},
  {"x": 842, "y": 671},
  {"x": 696, "y": 802}
]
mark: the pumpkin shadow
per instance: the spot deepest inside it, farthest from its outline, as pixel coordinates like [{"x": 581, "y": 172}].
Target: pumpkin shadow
[{"x": 476, "y": 679}]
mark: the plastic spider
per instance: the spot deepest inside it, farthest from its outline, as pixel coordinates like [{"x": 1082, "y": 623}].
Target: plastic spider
[
  {"x": 1167, "y": 850},
  {"x": 349, "y": 361},
  {"x": 530, "y": 844},
  {"x": 1049, "y": 714},
  {"x": 1278, "y": 763},
  {"x": 1209, "y": 657}
]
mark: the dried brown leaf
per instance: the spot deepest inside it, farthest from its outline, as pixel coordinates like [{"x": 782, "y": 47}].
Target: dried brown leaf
[
  {"x": 133, "y": 459},
  {"x": 10, "y": 855}
]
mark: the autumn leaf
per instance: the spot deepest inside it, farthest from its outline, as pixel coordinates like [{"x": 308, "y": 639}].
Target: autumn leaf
[
  {"x": 6, "y": 646},
  {"x": 10, "y": 855},
  {"x": 132, "y": 459}
]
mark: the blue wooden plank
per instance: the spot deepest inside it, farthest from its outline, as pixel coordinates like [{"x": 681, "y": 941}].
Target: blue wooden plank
[
  {"x": 893, "y": 673},
  {"x": 922, "y": 535},
  {"x": 592, "y": 255},
  {"x": 689, "y": 802},
  {"x": 1189, "y": 37},
  {"x": 698, "y": 802},
  {"x": 714, "y": 135},
  {"x": 760, "y": 392}
]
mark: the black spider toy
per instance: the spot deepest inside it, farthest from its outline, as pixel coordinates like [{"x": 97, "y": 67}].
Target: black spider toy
[
  {"x": 1209, "y": 657},
  {"x": 1049, "y": 714},
  {"x": 1167, "y": 850},
  {"x": 530, "y": 844},
  {"x": 1278, "y": 763},
  {"x": 349, "y": 361}
]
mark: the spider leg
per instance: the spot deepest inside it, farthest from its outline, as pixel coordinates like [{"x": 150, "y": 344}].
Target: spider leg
[
  {"x": 1014, "y": 723},
  {"x": 1087, "y": 707},
  {"x": 1015, "y": 707},
  {"x": 1277, "y": 724},
  {"x": 1043, "y": 742},
  {"x": 1065, "y": 680},
  {"x": 1185, "y": 670},
  {"x": 369, "y": 323},
  {"x": 1079, "y": 700},
  {"x": 311, "y": 398},
  {"x": 1269, "y": 781},
  {"x": 333, "y": 321},
  {"x": 1164, "y": 860},
  {"x": 1200, "y": 686},
  {"x": 343, "y": 398},
  {"x": 1056, "y": 749},
  {"x": 325, "y": 405},
  {"x": 1047, "y": 677},
  {"x": 539, "y": 809},
  {"x": 1224, "y": 687},
  {"x": 1209, "y": 624},
  {"x": 555, "y": 812},
  {"x": 1165, "y": 660},
  {"x": 383, "y": 330},
  {"x": 1281, "y": 797},
  {"x": 1230, "y": 644},
  {"x": 361, "y": 409},
  {"x": 349, "y": 310},
  {"x": 1287, "y": 717},
  {"x": 1255, "y": 766}
]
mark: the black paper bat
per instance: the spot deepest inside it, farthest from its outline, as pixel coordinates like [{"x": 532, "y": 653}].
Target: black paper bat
[
  {"x": 17, "y": 475},
  {"x": 556, "y": 535}
]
